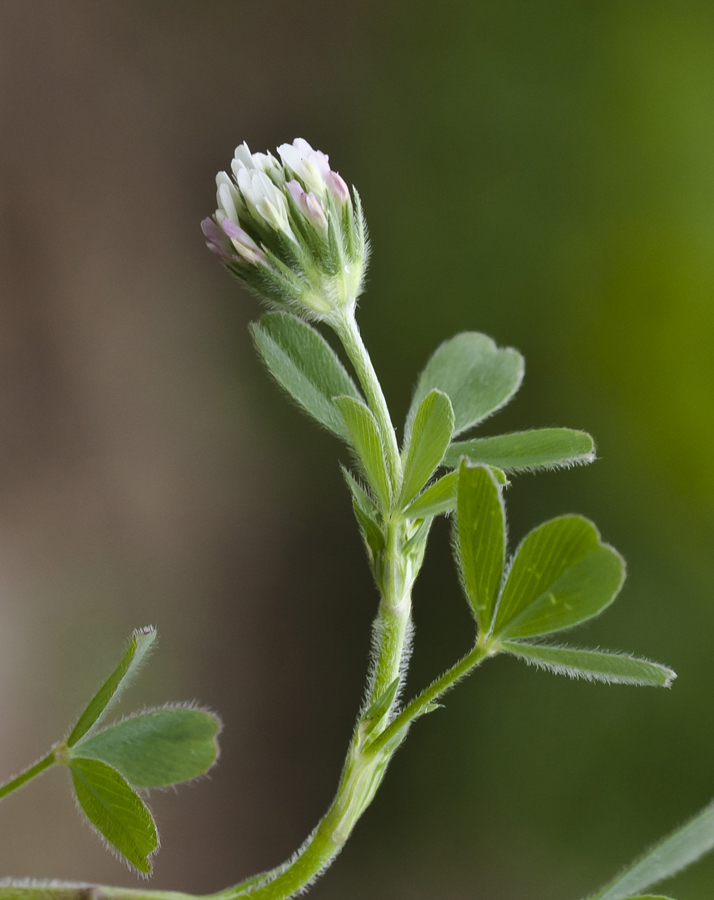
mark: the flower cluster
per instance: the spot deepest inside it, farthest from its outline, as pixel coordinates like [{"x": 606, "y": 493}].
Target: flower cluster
[{"x": 290, "y": 229}]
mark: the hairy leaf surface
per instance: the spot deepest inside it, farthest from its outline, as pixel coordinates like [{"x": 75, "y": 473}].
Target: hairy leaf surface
[
  {"x": 481, "y": 527},
  {"x": 367, "y": 442},
  {"x": 430, "y": 436},
  {"x": 305, "y": 365},
  {"x": 678, "y": 850},
  {"x": 140, "y": 644},
  {"x": 562, "y": 574},
  {"x": 115, "y": 810},
  {"x": 157, "y": 748},
  {"x": 542, "y": 448},
  {"x": 477, "y": 376},
  {"x": 593, "y": 665}
]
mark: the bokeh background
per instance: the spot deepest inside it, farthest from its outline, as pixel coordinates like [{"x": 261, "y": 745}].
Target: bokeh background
[{"x": 543, "y": 172}]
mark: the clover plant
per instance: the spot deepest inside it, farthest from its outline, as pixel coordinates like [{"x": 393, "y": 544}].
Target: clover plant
[{"x": 291, "y": 230}]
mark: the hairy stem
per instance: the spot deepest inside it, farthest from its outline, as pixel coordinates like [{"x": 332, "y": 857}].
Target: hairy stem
[
  {"x": 348, "y": 332},
  {"x": 28, "y": 774},
  {"x": 372, "y": 744},
  {"x": 483, "y": 649}
]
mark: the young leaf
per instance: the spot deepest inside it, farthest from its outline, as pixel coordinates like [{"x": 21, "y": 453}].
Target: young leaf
[
  {"x": 359, "y": 495},
  {"x": 115, "y": 810},
  {"x": 305, "y": 365},
  {"x": 677, "y": 851},
  {"x": 381, "y": 706},
  {"x": 364, "y": 436},
  {"x": 440, "y": 497},
  {"x": 593, "y": 665},
  {"x": 542, "y": 448},
  {"x": 482, "y": 539},
  {"x": 476, "y": 375},
  {"x": 158, "y": 748},
  {"x": 437, "y": 498},
  {"x": 141, "y": 642},
  {"x": 430, "y": 436},
  {"x": 562, "y": 574}
]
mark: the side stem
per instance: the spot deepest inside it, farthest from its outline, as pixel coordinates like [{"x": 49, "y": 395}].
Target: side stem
[{"x": 28, "y": 774}]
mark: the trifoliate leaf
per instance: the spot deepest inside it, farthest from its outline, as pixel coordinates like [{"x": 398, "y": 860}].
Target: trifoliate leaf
[
  {"x": 430, "y": 436},
  {"x": 476, "y": 375},
  {"x": 115, "y": 810},
  {"x": 157, "y": 748},
  {"x": 139, "y": 646},
  {"x": 481, "y": 525},
  {"x": 542, "y": 448},
  {"x": 365, "y": 438},
  {"x": 562, "y": 574},
  {"x": 305, "y": 365},
  {"x": 593, "y": 665}
]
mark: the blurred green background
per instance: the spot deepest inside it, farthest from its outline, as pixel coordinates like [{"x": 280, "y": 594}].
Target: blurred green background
[{"x": 538, "y": 171}]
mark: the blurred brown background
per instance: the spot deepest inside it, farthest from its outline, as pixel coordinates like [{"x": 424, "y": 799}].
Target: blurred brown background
[{"x": 542, "y": 172}]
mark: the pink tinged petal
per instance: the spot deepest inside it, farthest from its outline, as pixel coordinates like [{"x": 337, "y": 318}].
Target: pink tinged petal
[
  {"x": 302, "y": 145},
  {"x": 236, "y": 233},
  {"x": 337, "y": 187},
  {"x": 314, "y": 211},
  {"x": 322, "y": 162},
  {"x": 296, "y": 191},
  {"x": 244, "y": 244},
  {"x": 216, "y": 240}
]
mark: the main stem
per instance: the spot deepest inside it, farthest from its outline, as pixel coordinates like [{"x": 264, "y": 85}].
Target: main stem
[{"x": 366, "y": 761}]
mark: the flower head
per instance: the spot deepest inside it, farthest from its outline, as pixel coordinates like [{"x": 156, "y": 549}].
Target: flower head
[{"x": 290, "y": 229}]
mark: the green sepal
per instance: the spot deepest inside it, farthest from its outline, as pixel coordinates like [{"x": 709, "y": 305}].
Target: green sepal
[
  {"x": 477, "y": 376},
  {"x": 140, "y": 644},
  {"x": 542, "y": 448},
  {"x": 157, "y": 748},
  {"x": 562, "y": 574},
  {"x": 429, "y": 437},
  {"x": 481, "y": 530},
  {"x": 116, "y": 811},
  {"x": 592, "y": 665},
  {"x": 305, "y": 365},
  {"x": 365, "y": 438}
]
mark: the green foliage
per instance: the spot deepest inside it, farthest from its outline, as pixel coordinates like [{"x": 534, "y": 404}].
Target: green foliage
[
  {"x": 429, "y": 437},
  {"x": 437, "y": 498},
  {"x": 476, "y": 375},
  {"x": 116, "y": 811},
  {"x": 562, "y": 574},
  {"x": 157, "y": 748},
  {"x": 139, "y": 646},
  {"x": 364, "y": 435},
  {"x": 677, "y": 851},
  {"x": 542, "y": 448},
  {"x": 481, "y": 539},
  {"x": 593, "y": 665},
  {"x": 305, "y": 365}
]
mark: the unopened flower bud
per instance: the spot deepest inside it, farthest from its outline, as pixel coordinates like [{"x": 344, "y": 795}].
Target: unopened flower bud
[
  {"x": 289, "y": 230},
  {"x": 243, "y": 242},
  {"x": 311, "y": 166},
  {"x": 337, "y": 187},
  {"x": 308, "y": 204}
]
